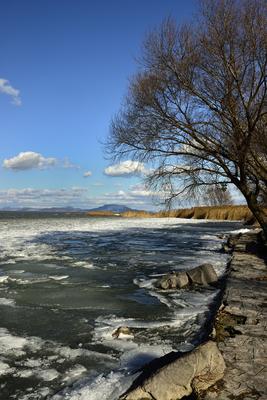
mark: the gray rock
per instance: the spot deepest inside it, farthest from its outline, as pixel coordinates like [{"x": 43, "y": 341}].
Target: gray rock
[
  {"x": 203, "y": 275},
  {"x": 182, "y": 280},
  {"x": 122, "y": 330},
  {"x": 197, "y": 370},
  {"x": 164, "y": 283},
  {"x": 173, "y": 281}
]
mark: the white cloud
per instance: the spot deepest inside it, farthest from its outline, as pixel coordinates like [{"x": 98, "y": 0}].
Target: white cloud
[
  {"x": 32, "y": 160},
  {"x": 30, "y": 197},
  {"x": 136, "y": 197},
  {"x": 87, "y": 174},
  {"x": 68, "y": 164},
  {"x": 7, "y": 89},
  {"x": 78, "y": 197},
  {"x": 126, "y": 168},
  {"x": 29, "y": 160},
  {"x": 140, "y": 191}
]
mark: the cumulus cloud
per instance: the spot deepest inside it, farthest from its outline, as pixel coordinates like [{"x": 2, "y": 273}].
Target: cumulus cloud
[
  {"x": 29, "y": 160},
  {"x": 126, "y": 168},
  {"x": 87, "y": 174},
  {"x": 135, "y": 197},
  {"x": 32, "y": 160},
  {"x": 39, "y": 198},
  {"x": 140, "y": 191},
  {"x": 9, "y": 90}
]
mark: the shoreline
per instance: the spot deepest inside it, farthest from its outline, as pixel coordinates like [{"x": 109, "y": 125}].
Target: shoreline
[
  {"x": 237, "y": 324},
  {"x": 216, "y": 213},
  {"x": 212, "y": 240},
  {"x": 241, "y": 324}
]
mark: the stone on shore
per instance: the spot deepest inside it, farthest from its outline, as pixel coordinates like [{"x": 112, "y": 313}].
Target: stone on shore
[
  {"x": 203, "y": 275},
  {"x": 175, "y": 280},
  {"x": 122, "y": 331},
  {"x": 193, "y": 371}
]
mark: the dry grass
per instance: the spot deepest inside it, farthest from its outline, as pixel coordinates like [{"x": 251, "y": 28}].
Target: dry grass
[
  {"x": 232, "y": 213},
  {"x": 229, "y": 213},
  {"x": 102, "y": 214},
  {"x": 138, "y": 214}
]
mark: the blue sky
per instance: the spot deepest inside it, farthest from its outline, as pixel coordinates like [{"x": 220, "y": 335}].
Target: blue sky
[{"x": 64, "y": 70}]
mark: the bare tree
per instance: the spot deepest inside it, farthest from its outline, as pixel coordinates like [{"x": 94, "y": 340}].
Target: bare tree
[
  {"x": 217, "y": 196},
  {"x": 197, "y": 108}
]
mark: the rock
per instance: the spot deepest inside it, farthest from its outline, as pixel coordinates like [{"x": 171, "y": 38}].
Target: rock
[
  {"x": 122, "y": 330},
  {"x": 213, "y": 333},
  {"x": 226, "y": 248},
  {"x": 163, "y": 283},
  {"x": 193, "y": 371},
  {"x": 203, "y": 275},
  {"x": 232, "y": 240},
  {"x": 173, "y": 281},
  {"x": 182, "y": 280}
]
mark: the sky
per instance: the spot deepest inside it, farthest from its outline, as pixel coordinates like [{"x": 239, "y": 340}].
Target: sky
[{"x": 65, "y": 67}]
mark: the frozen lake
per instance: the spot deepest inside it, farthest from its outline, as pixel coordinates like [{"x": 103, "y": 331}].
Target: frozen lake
[{"x": 66, "y": 283}]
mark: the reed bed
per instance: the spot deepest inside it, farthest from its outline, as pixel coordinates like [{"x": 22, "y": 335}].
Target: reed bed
[
  {"x": 223, "y": 213},
  {"x": 231, "y": 212}
]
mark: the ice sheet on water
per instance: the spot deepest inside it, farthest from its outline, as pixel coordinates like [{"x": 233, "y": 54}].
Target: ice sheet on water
[
  {"x": 75, "y": 372},
  {"x": 5, "y": 368},
  {"x": 14, "y": 345},
  {"x": 58, "y": 277},
  {"x": 84, "y": 264},
  {"x": 237, "y": 231},
  {"x": 36, "y": 394},
  {"x": 103, "y": 387},
  {"x": 11, "y": 344},
  {"x": 145, "y": 283},
  {"x": 48, "y": 241},
  {"x": 20, "y": 237},
  {"x": 7, "y": 302},
  {"x": 47, "y": 374}
]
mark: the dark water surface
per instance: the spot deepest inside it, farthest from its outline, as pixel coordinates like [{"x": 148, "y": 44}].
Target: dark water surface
[{"x": 67, "y": 282}]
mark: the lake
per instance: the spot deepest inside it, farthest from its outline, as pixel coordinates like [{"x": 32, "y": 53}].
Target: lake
[{"x": 67, "y": 282}]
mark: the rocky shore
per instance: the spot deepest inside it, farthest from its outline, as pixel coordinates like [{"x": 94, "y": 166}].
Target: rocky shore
[
  {"x": 241, "y": 324},
  {"x": 232, "y": 363}
]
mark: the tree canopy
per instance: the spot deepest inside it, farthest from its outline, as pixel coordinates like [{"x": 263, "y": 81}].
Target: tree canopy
[{"x": 197, "y": 107}]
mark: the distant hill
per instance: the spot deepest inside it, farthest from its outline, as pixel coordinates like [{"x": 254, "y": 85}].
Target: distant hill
[
  {"x": 115, "y": 208},
  {"x": 112, "y": 208}
]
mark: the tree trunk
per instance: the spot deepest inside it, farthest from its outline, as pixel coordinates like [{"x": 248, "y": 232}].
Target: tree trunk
[{"x": 259, "y": 213}]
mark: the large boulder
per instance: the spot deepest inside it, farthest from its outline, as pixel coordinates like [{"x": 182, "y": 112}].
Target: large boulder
[
  {"x": 194, "y": 371},
  {"x": 181, "y": 280},
  {"x": 163, "y": 283},
  {"x": 172, "y": 281},
  {"x": 202, "y": 275}
]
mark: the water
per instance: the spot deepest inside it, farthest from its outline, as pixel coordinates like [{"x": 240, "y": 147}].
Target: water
[{"x": 67, "y": 282}]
